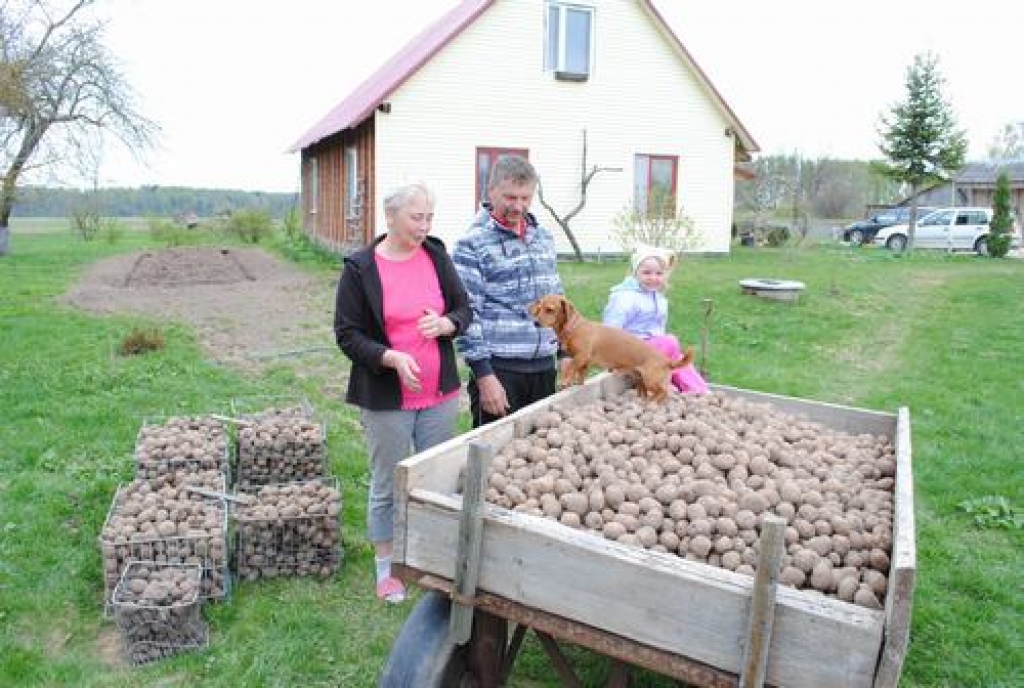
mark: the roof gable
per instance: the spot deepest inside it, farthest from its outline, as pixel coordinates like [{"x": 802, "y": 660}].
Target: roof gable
[
  {"x": 361, "y": 103},
  {"x": 402, "y": 65}
]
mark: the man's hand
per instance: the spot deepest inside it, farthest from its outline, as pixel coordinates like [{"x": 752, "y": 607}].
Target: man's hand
[{"x": 493, "y": 399}]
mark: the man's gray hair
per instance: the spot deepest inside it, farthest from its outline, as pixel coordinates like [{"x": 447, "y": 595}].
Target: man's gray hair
[
  {"x": 514, "y": 168},
  {"x": 398, "y": 198}
]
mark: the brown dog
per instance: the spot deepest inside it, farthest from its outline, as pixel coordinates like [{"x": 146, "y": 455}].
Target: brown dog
[{"x": 590, "y": 343}]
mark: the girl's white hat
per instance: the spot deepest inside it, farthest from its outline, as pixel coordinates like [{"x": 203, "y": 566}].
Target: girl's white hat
[{"x": 644, "y": 251}]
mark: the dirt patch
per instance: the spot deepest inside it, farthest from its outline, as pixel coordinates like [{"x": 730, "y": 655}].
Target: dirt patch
[
  {"x": 248, "y": 308},
  {"x": 110, "y": 647}
]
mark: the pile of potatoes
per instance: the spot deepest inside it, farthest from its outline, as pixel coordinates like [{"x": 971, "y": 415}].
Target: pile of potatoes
[
  {"x": 696, "y": 475},
  {"x": 289, "y": 530},
  {"x": 159, "y": 520},
  {"x": 156, "y": 606},
  {"x": 181, "y": 442},
  {"x": 280, "y": 445}
]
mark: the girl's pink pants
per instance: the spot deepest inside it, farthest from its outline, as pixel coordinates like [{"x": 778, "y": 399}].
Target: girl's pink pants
[{"x": 685, "y": 379}]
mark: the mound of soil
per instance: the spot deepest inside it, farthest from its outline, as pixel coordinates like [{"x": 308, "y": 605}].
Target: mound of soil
[{"x": 247, "y": 307}]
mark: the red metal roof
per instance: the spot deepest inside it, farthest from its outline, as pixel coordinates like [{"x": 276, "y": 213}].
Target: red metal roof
[{"x": 362, "y": 101}]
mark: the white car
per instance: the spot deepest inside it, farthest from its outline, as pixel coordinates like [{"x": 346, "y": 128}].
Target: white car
[{"x": 951, "y": 229}]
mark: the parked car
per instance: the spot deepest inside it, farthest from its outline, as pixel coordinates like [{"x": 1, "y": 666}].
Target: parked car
[
  {"x": 952, "y": 229},
  {"x": 863, "y": 231}
]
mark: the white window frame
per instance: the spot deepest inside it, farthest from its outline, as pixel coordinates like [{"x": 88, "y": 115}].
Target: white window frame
[
  {"x": 557, "y": 62},
  {"x": 314, "y": 185},
  {"x": 353, "y": 203}
]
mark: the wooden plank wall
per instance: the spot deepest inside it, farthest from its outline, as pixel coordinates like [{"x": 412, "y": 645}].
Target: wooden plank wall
[{"x": 328, "y": 225}]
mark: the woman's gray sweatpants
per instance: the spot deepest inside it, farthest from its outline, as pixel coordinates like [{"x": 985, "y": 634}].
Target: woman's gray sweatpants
[{"x": 390, "y": 437}]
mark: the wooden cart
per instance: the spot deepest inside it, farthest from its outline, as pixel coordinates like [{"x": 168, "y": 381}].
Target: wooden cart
[{"x": 683, "y": 619}]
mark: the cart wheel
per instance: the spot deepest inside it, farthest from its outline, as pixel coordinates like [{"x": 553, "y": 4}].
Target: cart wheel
[{"x": 422, "y": 656}]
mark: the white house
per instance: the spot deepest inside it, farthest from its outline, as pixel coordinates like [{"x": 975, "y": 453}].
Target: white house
[{"x": 530, "y": 76}]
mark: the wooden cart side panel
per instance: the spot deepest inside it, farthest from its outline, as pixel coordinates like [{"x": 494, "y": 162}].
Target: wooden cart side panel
[
  {"x": 694, "y": 610},
  {"x": 836, "y": 416},
  {"x": 903, "y": 567}
]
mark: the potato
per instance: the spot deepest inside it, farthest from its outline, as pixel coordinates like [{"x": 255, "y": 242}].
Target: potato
[{"x": 697, "y": 475}]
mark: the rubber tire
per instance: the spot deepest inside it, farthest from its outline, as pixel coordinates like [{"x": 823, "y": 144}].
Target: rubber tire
[
  {"x": 981, "y": 246},
  {"x": 421, "y": 656},
  {"x": 897, "y": 243},
  {"x": 856, "y": 237}
]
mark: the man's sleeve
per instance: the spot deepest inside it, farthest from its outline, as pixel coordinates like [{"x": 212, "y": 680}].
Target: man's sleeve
[{"x": 471, "y": 344}]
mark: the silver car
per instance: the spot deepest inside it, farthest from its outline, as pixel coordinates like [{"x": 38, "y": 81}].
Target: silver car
[{"x": 951, "y": 229}]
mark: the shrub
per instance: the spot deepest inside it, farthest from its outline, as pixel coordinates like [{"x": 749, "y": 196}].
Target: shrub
[
  {"x": 293, "y": 223},
  {"x": 141, "y": 341},
  {"x": 250, "y": 226},
  {"x": 773, "y": 235},
  {"x": 1000, "y": 233},
  {"x": 88, "y": 223},
  {"x": 660, "y": 225},
  {"x": 169, "y": 233}
]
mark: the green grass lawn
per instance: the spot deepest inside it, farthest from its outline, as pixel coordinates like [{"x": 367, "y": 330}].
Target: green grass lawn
[{"x": 942, "y": 335}]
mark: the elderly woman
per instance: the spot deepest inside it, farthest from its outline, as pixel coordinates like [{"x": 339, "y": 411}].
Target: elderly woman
[{"x": 399, "y": 306}]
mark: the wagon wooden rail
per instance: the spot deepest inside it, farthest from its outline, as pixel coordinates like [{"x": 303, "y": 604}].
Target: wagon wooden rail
[{"x": 680, "y": 618}]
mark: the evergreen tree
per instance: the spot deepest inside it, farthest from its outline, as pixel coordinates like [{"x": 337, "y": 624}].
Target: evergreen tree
[
  {"x": 920, "y": 139},
  {"x": 1001, "y": 226}
]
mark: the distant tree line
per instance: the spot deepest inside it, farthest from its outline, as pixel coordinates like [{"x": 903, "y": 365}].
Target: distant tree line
[
  {"x": 822, "y": 187},
  {"x": 145, "y": 201}
]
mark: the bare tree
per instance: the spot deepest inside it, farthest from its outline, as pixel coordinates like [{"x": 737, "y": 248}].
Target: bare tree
[
  {"x": 60, "y": 91},
  {"x": 1008, "y": 144},
  {"x": 586, "y": 176}
]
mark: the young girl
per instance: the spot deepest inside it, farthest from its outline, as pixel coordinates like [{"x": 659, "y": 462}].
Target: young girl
[{"x": 638, "y": 306}]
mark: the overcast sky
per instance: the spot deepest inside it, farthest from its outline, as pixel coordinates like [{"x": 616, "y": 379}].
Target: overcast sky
[{"x": 233, "y": 83}]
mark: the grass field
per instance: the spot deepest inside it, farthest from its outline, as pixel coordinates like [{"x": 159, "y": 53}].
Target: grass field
[{"x": 942, "y": 335}]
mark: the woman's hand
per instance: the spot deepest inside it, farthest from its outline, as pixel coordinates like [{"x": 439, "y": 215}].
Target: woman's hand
[
  {"x": 432, "y": 325},
  {"x": 406, "y": 366}
]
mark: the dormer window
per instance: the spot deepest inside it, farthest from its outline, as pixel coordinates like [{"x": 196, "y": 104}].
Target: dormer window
[{"x": 568, "y": 43}]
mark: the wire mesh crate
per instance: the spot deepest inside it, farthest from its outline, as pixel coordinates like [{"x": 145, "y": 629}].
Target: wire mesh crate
[
  {"x": 157, "y": 609},
  {"x": 160, "y": 520},
  {"x": 289, "y": 530},
  {"x": 194, "y": 443},
  {"x": 278, "y": 440}
]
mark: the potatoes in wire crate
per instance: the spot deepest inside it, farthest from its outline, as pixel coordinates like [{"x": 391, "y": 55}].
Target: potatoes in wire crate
[
  {"x": 280, "y": 445},
  {"x": 160, "y": 520},
  {"x": 289, "y": 530},
  {"x": 181, "y": 442},
  {"x": 157, "y": 609}
]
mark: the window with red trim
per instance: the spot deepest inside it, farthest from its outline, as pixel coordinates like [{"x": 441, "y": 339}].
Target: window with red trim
[{"x": 654, "y": 184}]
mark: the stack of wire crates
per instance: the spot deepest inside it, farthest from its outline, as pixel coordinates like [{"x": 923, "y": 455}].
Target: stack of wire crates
[
  {"x": 157, "y": 609},
  {"x": 290, "y": 525},
  {"x": 161, "y": 520},
  {"x": 290, "y": 529},
  {"x": 278, "y": 440},
  {"x": 172, "y": 516}
]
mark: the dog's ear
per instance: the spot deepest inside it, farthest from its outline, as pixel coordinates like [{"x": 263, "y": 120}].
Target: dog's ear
[{"x": 568, "y": 310}]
